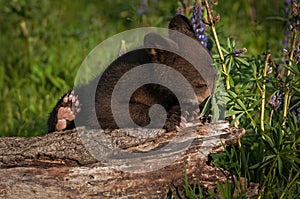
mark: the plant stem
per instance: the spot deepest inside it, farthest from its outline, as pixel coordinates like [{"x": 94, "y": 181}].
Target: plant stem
[
  {"x": 269, "y": 174},
  {"x": 214, "y": 32},
  {"x": 285, "y": 75},
  {"x": 292, "y": 49},
  {"x": 285, "y": 106},
  {"x": 271, "y": 115},
  {"x": 290, "y": 184},
  {"x": 215, "y": 36},
  {"x": 263, "y": 93}
]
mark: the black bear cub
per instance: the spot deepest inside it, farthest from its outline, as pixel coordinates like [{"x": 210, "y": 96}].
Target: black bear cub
[{"x": 94, "y": 109}]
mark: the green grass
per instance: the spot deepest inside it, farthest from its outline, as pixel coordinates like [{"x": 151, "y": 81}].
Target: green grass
[
  {"x": 39, "y": 62},
  {"x": 37, "y": 67},
  {"x": 43, "y": 43}
]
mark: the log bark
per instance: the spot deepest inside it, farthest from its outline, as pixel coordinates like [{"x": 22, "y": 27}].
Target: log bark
[{"x": 65, "y": 164}]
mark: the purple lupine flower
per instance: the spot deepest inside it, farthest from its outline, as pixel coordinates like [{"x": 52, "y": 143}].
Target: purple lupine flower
[
  {"x": 296, "y": 112},
  {"x": 143, "y": 7},
  {"x": 297, "y": 54},
  {"x": 292, "y": 14},
  {"x": 198, "y": 25},
  {"x": 287, "y": 33},
  {"x": 239, "y": 52},
  {"x": 277, "y": 100},
  {"x": 295, "y": 24},
  {"x": 270, "y": 69}
]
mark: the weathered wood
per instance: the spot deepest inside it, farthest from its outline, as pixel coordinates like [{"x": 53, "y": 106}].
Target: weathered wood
[{"x": 58, "y": 165}]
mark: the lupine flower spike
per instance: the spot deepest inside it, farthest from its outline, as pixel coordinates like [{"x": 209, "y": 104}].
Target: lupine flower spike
[
  {"x": 281, "y": 99},
  {"x": 143, "y": 7},
  {"x": 296, "y": 112},
  {"x": 277, "y": 100},
  {"x": 198, "y": 25},
  {"x": 239, "y": 52}
]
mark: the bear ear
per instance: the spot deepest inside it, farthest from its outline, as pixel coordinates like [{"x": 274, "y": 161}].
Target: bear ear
[
  {"x": 182, "y": 24},
  {"x": 156, "y": 44}
]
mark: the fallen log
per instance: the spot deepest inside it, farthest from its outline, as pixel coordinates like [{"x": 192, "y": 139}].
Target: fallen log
[{"x": 126, "y": 163}]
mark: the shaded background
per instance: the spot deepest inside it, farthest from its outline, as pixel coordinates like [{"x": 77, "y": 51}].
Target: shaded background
[{"x": 42, "y": 44}]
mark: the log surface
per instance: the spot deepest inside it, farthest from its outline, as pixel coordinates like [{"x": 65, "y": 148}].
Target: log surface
[{"x": 59, "y": 165}]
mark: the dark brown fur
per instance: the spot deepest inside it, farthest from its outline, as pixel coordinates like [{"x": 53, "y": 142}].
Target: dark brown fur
[{"x": 146, "y": 96}]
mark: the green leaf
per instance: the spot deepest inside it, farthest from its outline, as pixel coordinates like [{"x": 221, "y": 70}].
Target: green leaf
[
  {"x": 255, "y": 166},
  {"x": 241, "y": 104},
  {"x": 231, "y": 93},
  {"x": 206, "y": 107},
  {"x": 280, "y": 167},
  {"x": 233, "y": 112},
  {"x": 294, "y": 158},
  {"x": 266, "y": 138},
  {"x": 243, "y": 61},
  {"x": 2, "y": 73},
  {"x": 237, "y": 117}
]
